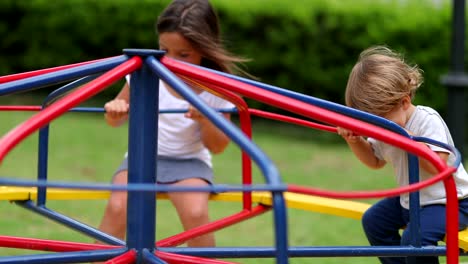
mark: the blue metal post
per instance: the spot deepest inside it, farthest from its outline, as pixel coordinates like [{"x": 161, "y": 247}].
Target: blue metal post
[
  {"x": 281, "y": 231},
  {"x": 43, "y": 151},
  {"x": 414, "y": 204},
  {"x": 142, "y": 151},
  {"x": 42, "y": 163}
]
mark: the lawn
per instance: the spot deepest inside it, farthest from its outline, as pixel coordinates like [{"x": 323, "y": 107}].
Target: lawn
[{"x": 84, "y": 149}]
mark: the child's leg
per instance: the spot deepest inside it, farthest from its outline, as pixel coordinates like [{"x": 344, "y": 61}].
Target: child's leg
[
  {"x": 382, "y": 223},
  {"x": 433, "y": 228},
  {"x": 193, "y": 211},
  {"x": 114, "y": 220}
]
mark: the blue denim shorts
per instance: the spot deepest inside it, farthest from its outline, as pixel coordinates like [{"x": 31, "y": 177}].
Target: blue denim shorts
[{"x": 171, "y": 170}]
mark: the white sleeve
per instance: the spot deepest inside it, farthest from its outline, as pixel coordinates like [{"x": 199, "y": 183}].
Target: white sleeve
[
  {"x": 376, "y": 147},
  {"x": 219, "y": 103},
  {"x": 433, "y": 127}
]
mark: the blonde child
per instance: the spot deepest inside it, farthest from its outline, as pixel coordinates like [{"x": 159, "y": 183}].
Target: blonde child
[{"x": 383, "y": 84}]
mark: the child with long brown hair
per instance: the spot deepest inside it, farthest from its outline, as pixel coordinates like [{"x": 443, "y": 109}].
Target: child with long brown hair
[{"x": 189, "y": 31}]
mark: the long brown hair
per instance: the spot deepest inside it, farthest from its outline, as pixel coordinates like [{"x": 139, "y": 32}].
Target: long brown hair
[{"x": 197, "y": 21}]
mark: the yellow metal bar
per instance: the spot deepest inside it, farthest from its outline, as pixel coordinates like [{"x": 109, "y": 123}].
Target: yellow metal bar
[
  {"x": 298, "y": 201},
  {"x": 342, "y": 208}
]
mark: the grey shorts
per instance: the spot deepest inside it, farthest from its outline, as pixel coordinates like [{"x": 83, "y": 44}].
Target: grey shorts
[{"x": 170, "y": 170}]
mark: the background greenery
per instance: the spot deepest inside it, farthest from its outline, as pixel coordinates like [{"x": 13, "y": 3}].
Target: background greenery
[{"x": 307, "y": 46}]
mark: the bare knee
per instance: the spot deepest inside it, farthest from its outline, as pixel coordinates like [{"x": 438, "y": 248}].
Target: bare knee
[
  {"x": 197, "y": 213},
  {"x": 117, "y": 205},
  {"x": 192, "y": 209}
]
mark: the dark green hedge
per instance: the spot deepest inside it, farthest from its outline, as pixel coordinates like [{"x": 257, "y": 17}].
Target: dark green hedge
[
  {"x": 311, "y": 47},
  {"x": 308, "y": 46}
]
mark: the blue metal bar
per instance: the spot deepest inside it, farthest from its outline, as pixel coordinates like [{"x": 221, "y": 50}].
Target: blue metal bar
[
  {"x": 316, "y": 251},
  {"x": 267, "y": 167},
  {"x": 42, "y": 163},
  {"x": 415, "y": 223},
  {"x": 142, "y": 151},
  {"x": 453, "y": 149},
  {"x": 61, "y": 76},
  {"x": 142, "y": 187},
  {"x": 71, "y": 223},
  {"x": 44, "y": 137},
  {"x": 150, "y": 258},
  {"x": 161, "y": 111},
  {"x": 44, "y": 132},
  {"x": 281, "y": 250},
  {"x": 413, "y": 161},
  {"x": 414, "y": 196},
  {"x": 66, "y": 88},
  {"x": 65, "y": 257},
  {"x": 88, "y": 109},
  {"x": 361, "y": 115},
  {"x": 43, "y": 149},
  {"x": 281, "y": 225}
]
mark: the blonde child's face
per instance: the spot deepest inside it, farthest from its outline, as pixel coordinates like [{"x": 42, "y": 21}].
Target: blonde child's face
[
  {"x": 178, "y": 47},
  {"x": 401, "y": 113},
  {"x": 397, "y": 115}
]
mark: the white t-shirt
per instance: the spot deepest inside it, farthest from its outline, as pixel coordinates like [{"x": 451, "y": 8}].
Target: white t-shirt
[
  {"x": 179, "y": 136},
  {"x": 424, "y": 122}
]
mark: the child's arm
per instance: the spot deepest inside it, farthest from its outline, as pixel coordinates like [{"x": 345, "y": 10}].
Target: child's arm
[
  {"x": 212, "y": 137},
  {"x": 361, "y": 148},
  {"x": 117, "y": 109},
  {"x": 426, "y": 165}
]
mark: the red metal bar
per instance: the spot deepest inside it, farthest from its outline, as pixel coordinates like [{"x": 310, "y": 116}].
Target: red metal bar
[
  {"x": 329, "y": 117},
  {"x": 445, "y": 174},
  {"x": 245, "y": 125},
  {"x": 451, "y": 206},
  {"x": 128, "y": 257},
  {"x": 184, "y": 259},
  {"x": 451, "y": 217},
  {"x": 48, "y": 245},
  {"x": 16, "y": 135},
  {"x": 306, "y": 109},
  {"x": 20, "y": 108},
  {"x": 211, "y": 227},
  {"x": 246, "y": 128},
  {"x": 18, "y": 76},
  {"x": 292, "y": 120}
]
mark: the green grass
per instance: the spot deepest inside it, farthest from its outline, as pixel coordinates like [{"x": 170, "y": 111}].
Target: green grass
[{"x": 84, "y": 149}]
